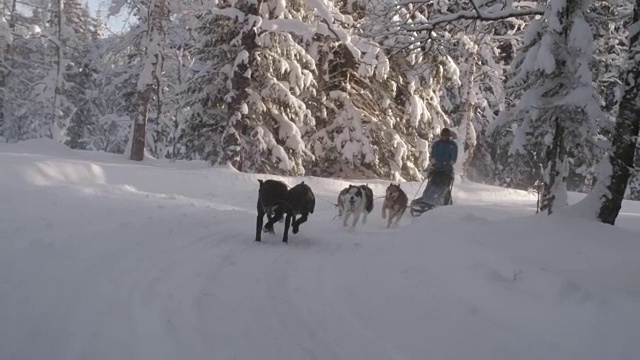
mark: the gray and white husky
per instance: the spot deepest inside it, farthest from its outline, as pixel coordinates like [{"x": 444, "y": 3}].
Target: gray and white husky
[{"x": 355, "y": 201}]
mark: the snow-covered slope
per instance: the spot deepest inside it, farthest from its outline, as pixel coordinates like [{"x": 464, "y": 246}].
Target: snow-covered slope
[{"x": 102, "y": 258}]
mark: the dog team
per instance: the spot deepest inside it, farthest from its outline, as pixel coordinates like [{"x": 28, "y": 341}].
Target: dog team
[{"x": 275, "y": 200}]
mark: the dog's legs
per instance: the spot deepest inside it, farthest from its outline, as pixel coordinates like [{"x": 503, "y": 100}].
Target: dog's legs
[
  {"x": 356, "y": 217},
  {"x": 259, "y": 223},
  {"x": 364, "y": 217},
  {"x": 277, "y": 216},
  {"x": 399, "y": 216},
  {"x": 384, "y": 211},
  {"x": 297, "y": 223},
  {"x": 345, "y": 217},
  {"x": 391, "y": 215},
  {"x": 287, "y": 223},
  {"x": 268, "y": 227}
]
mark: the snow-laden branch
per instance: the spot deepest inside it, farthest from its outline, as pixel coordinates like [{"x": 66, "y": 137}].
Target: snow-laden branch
[
  {"x": 412, "y": 22},
  {"x": 475, "y": 14}
]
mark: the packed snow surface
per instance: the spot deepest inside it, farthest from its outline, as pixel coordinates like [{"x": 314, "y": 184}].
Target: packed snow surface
[{"x": 104, "y": 258}]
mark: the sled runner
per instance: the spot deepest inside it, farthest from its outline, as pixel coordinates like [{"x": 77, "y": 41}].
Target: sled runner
[{"x": 437, "y": 193}]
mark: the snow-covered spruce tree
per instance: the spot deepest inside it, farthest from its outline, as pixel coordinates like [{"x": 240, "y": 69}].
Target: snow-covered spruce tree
[
  {"x": 27, "y": 107},
  {"x": 611, "y": 19},
  {"x": 614, "y": 171},
  {"x": 484, "y": 31},
  {"x": 245, "y": 101},
  {"x": 112, "y": 99},
  {"x": 167, "y": 115},
  {"x": 558, "y": 112},
  {"x": 170, "y": 120},
  {"x": 379, "y": 112},
  {"x": 475, "y": 104},
  {"x": 44, "y": 94},
  {"x": 7, "y": 28},
  {"x": 497, "y": 42},
  {"x": 79, "y": 34}
]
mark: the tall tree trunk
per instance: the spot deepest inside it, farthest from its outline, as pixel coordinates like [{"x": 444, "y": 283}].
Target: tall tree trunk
[
  {"x": 140, "y": 123},
  {"x": 615, "y": 171},
  {"x": 467, "y": 118},
  {"x": 149, "y": 77},
  {"x": 554, "y": 177},
  {"x": 231, "y": 142},
  {"x": 59, "y": 125}
]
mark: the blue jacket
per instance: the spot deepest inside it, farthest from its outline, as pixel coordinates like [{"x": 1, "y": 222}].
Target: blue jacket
[{"x": 444, "y": 152}]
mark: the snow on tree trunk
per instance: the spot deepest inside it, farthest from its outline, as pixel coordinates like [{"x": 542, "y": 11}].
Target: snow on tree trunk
[
  {"x": 466, "y": 131},
  {"x": 471, "y": 142},
  {"x": 606, "y": 198},
  {"x": 154, "y": 37}
]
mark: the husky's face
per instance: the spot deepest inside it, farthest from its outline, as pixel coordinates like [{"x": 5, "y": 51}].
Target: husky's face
[
  {"x": 393, "y": 191},
  {"x": 353, "y": 196}
]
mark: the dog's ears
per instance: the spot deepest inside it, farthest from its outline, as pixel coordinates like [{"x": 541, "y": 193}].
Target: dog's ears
[{"x": 261, "y": 181}]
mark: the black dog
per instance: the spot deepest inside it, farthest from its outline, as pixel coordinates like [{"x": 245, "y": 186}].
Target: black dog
[
  {"x": 272, "y": 201},
  {"x": 300, "y": 201}
]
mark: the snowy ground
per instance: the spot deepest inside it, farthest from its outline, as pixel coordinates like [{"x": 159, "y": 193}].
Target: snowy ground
[{"x": 102, "y": 258}]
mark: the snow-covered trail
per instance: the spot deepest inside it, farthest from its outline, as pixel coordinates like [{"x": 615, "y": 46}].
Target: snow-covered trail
[{"x": 104, "y": 259}]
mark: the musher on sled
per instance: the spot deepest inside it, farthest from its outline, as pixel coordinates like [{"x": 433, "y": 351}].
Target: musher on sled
[{"x": 440, "y": 175}]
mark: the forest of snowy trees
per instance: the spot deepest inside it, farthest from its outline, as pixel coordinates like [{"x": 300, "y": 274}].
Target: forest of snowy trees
[{"x": 535, "y": 90}]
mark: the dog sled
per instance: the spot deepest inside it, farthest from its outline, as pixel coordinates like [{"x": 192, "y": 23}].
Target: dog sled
[{"x": 438, "y": 191}]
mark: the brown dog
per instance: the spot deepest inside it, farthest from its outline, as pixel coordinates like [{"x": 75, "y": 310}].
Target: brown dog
[{"x": 395, "y": 201}]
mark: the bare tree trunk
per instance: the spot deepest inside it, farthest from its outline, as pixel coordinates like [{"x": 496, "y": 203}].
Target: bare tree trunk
[
  {"x": 614, "y": 178},
  {"x": 140, "y": 124},
  {"x": 149, "y": 77},
  {"x": 555, "y": 172}
]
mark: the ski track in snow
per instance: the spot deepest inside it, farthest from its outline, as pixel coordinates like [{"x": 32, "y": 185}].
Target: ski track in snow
[{"x": 102, "y": 258}]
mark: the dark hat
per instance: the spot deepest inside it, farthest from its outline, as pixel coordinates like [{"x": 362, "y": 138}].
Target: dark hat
[{"x": 445, "y": 132}]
